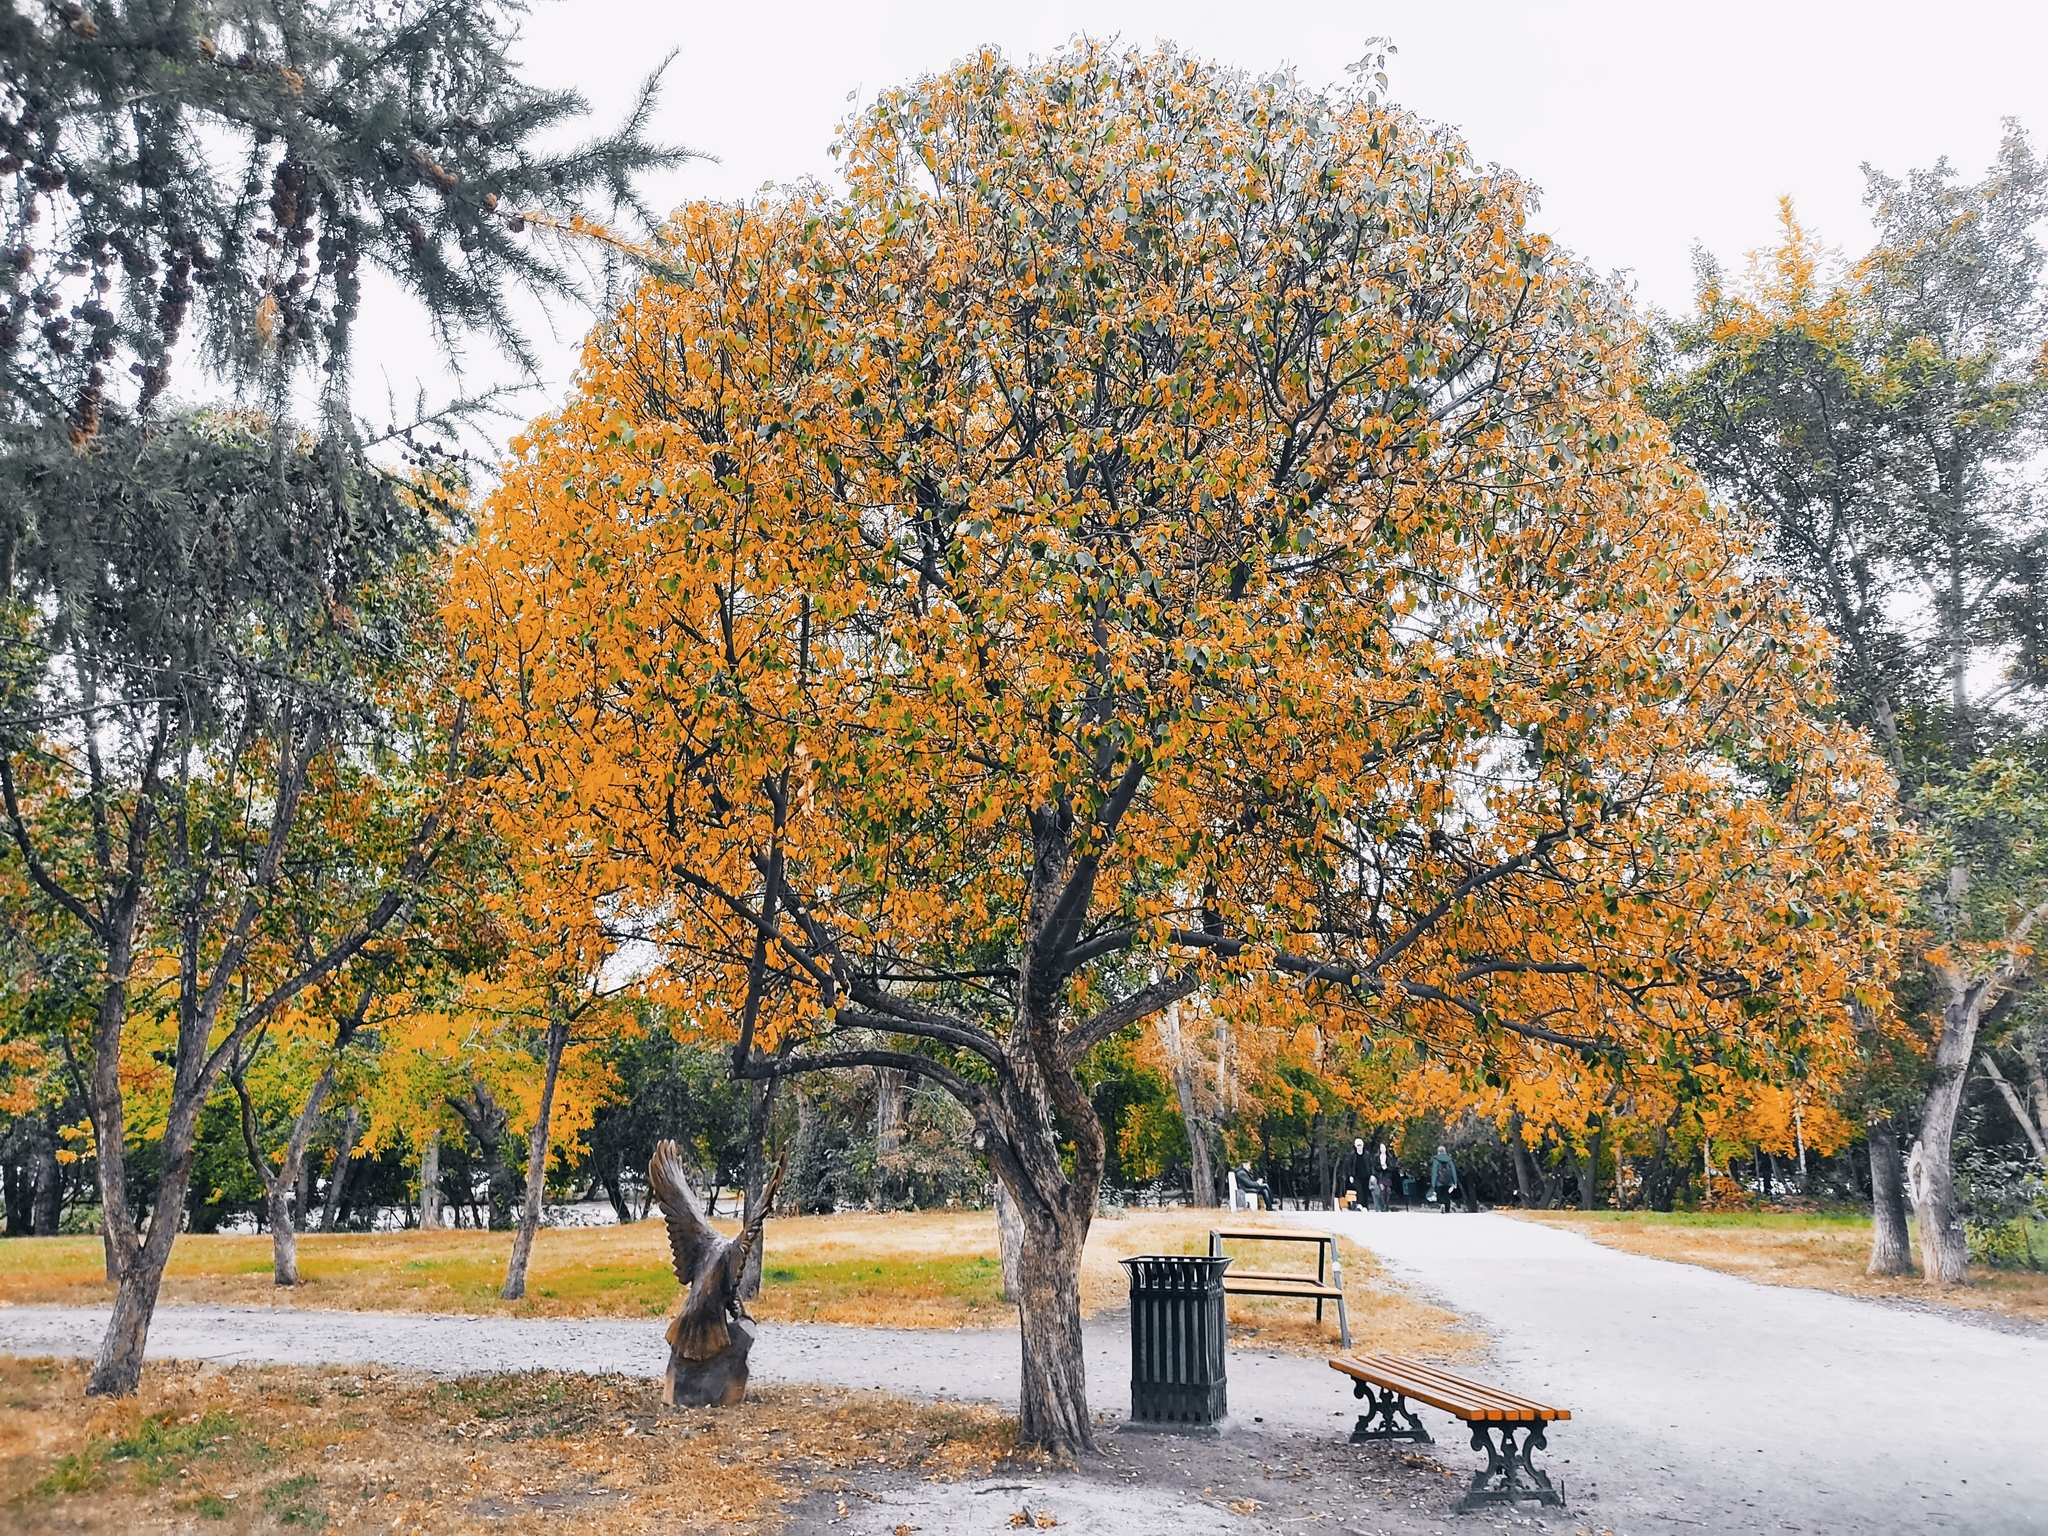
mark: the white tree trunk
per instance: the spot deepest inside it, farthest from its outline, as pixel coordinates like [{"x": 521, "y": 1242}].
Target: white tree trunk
[
  {"x": 536, "y": 1165},
  {"x": 430, "y": 1183}
]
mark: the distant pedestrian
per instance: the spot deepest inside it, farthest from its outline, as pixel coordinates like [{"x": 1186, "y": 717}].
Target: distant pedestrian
[{"x": 1443, "y": 1178}]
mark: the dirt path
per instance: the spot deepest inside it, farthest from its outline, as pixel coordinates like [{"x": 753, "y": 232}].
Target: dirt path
[{"x": 1705, "y": 1401}]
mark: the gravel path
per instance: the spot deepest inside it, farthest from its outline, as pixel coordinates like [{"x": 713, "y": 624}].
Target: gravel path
[
  {"x": 1702, "y": 1400},
  {"x": 973, "y": 1364}
]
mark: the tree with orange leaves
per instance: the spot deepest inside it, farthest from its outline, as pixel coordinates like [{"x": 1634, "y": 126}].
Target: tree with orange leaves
[{"x": 1159, "y": 531}]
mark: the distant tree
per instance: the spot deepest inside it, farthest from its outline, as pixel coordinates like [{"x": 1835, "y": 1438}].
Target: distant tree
[
  {"x": 1887, "y": 424},
  {"x": 1160, "y": 528}
]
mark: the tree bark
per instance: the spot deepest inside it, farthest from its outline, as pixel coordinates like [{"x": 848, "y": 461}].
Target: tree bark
[
  {"x": 536, "y": 1164},
  {"x": 49, "y": 1189},
  {"x": 1589, "y": 1174},
  {"x": 888, "y": 1135},
  {"x": 430, "y": 1183},
  {"x": 1937, "y": 1214},
  {"x": 344, "y": 1153},
  {"x": 760, "y": 1112},
  {"x": 485, "y": 1117},
  {"x": 279, "y": 1186},
  {"x": 1891, "y": 1251},
  {"x": 2037, "y": 1134},
  {"x": 1527, "y": 1185},
  {"x": 117, "y": 1368},
  {"x": 1053, "y": 1398},
  {"x": 1009, "y": 1244},
  {"x": 1201, "y": 1169}
]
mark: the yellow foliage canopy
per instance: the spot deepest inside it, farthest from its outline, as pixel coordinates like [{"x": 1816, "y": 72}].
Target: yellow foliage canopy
[{"x": 1162, "y": 530}]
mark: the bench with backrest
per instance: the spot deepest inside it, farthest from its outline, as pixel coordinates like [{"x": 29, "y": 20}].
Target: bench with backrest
[
  {"x": 1261, "y": 1282},
  {"x": 1494, "y": 1417}
]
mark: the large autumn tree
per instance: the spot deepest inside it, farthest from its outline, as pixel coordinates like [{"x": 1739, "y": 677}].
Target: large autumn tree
[{"x": 1158, "y": 529}]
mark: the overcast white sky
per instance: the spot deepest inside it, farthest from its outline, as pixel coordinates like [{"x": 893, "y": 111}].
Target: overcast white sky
[{"x": 1649, "y": 126}]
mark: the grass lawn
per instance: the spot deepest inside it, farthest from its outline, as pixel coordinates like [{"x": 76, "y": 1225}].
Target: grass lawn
[
  {"x": 1823, "y": 1251},
  {"x": 909, "y": 1269},
  {"x": 252, "y": 1449}
]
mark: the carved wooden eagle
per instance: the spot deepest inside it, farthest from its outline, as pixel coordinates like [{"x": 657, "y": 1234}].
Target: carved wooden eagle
[{"x": 710, "y": 1265}]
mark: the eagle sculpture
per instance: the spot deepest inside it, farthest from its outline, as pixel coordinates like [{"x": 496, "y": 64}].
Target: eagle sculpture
[{"x": 708, "y": 1347}]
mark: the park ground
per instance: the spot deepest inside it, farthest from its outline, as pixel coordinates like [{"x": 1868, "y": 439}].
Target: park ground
[
  {"x": 905, "y": 1269},
  {"x": 1778, "y": 1395},
  {"x": 1821, "y": 1250}
]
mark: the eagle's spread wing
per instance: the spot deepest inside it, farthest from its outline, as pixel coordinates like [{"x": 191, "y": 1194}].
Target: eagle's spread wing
[{"x": 690, "y": 1238}]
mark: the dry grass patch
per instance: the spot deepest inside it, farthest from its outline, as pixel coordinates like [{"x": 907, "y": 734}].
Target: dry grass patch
[
  {"x": 905, "y": 1269},
  {"x": 1826, "y": 1253},
  {"x": 912, "y": 1269},
  {"x": 292, "y": 1449}
]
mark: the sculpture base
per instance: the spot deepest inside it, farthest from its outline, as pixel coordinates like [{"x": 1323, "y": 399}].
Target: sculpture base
[{"x": 720, "y": 1382}]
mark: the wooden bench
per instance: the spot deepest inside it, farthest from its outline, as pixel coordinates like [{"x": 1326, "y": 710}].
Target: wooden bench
[
  {"x": 1493, "y": 1416},
  {"x": 1260, "y": 1282}
]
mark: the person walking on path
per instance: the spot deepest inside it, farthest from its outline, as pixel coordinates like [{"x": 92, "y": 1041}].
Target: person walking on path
[{"x": 1443, "y": 1178}]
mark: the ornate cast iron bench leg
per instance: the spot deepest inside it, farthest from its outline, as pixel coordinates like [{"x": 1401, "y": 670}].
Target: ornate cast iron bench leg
[
  {"x": 1390, "y": 1419},
  {"x": 1508, "y": 1474}
]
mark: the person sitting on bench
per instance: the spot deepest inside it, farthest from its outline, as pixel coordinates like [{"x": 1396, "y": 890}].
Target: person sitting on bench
[{"x": 1250, "y": 1184}]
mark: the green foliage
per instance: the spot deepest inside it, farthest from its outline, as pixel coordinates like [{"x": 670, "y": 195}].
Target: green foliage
[{"x": 247, "y": 160}]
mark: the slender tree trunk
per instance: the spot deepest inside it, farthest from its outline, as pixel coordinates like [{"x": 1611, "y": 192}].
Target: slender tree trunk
[
  {"x": 1891, "y": 1251},
  {"x": 1201, "y": 1169},
  {"x": 1527, "y": 1185},
  {"x": 485, "y": 1117},
  {"x": 888, "y": 1135},
  {"x": 760, "y": 1113},
  {"x": 2037, "y": 1134},
  {"x": 49, "y": 1189},
  {"x": 280, "y": 1185},
  {"x": 536, "y": 1164},
  {"x": 344, "y": 1153},
  {"x": 430, "y": 1183},
  {"x": 1009, "y": 1244},
  {"x": 1589, "y": 1175}
]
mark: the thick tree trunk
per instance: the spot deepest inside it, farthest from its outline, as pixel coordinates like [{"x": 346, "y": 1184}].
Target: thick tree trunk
[
  {"x": 1891, "y": 1251},
  {"x": 1589, "y": 1175},
  {"x": 536, "y": 1164},
  {"x": 1937, "y": 1213},
  {"x": 760, "y": 1112},
  {"x": 430, "y": 1183},
  {"x": 284, "y": 1233},
  {"x": 117, "y": 1369},
  {"x": 344, "y": 1153},
  {"x": 1053, "y": 1398},
  {"x": 1009, "y": 1244}
]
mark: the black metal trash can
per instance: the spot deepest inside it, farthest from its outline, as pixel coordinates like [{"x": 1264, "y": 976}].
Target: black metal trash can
[{"x": 1177, "y": 1339}]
